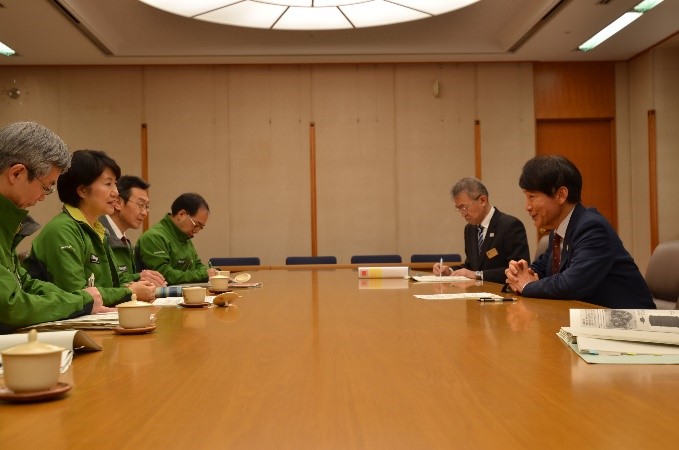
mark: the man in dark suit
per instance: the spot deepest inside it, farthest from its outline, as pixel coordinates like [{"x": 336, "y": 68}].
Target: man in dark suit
[
  {"x": 491, "y": 238},
  {"x": 585, "y": 259}
]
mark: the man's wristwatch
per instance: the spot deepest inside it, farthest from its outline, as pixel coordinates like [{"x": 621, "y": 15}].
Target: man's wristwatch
[{"x": 479, "y": 275}]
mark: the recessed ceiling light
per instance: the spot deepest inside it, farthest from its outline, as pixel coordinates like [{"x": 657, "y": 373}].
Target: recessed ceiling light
[{"x": 308, "y": 14}]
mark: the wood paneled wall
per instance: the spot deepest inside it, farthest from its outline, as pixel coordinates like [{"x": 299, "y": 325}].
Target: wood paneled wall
[{"x": 388, "y": 150}]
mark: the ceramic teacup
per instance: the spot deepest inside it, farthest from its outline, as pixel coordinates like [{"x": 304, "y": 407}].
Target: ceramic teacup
[
  {"x": 134, "y": 314},
  {"x": 219, "y": 283},
  {"x": 31, "y": 367},
  {"x": 224, "y": 273},
  {"x": 194, "y": 294}
]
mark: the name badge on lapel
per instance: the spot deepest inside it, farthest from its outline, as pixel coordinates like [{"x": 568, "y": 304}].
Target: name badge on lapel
[
  {"x": 122, "y": 269},
  {"x": 94, "y": 259},
  {"x": 492, "y": 253}
]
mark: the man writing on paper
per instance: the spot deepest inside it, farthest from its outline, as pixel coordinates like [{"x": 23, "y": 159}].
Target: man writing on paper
[
  {"x": 491, "y": 238},
  {"x": 130, "y": 209},
  {"x": 167, "y": 247},
  {"x": 31, "y": 159},
  {"x": 585, "y": 259}
]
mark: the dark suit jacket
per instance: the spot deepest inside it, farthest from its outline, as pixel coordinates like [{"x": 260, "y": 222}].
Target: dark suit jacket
[
  {"x": 595, "y": 267},
  {"x": 505, "y": 240}
]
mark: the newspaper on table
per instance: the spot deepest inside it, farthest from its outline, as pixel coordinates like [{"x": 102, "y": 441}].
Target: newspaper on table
[{"x": 631, "y": 336}]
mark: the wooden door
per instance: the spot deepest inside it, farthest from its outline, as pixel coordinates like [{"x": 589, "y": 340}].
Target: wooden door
[{"x": 589, "y": 143}]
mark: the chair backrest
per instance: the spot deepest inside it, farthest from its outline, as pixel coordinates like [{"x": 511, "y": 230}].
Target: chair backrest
[
  {"x": 367, "y": 259},
  {"x": 237, "y": 261},
  {"x": 436, "y": 257},
  {"x": 296, "y": 260},
  {"x": 662, "y": 274},
  {"x": 542, "y": 246}
]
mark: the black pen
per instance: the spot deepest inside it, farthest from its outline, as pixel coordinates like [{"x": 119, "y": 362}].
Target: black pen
[{"x": 498, "y": 299}]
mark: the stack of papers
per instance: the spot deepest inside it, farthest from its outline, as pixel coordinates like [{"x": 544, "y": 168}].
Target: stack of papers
[
  {"x": 103, "y": 321},
  {"x": 621, "y": 336}
]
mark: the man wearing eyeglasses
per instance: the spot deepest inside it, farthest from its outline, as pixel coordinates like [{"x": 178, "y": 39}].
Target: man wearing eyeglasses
[
  {"x": 130, "y": 210},
  {"x": 491, "y": 238},
  {"x": 167, "y": 247},
  {"x": 31, "y": 159}
]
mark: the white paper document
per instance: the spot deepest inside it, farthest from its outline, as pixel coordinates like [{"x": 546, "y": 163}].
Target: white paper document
[
  {"x": 438, "y": 279},
  {"x": 461, "y": 296},
  {"x": 174, "y": 301},
  {"x": 103, "y": 321}
]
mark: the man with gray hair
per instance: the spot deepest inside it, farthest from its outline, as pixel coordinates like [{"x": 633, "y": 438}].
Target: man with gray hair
[
  {"x": 491, "y": 238},
  {"x": 31, "y": 159}
]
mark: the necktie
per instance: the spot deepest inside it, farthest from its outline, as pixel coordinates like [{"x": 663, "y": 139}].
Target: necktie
[
  {"x": 480, "y": 228},
  {"x": 556, "y": 253},
  {"x": 125, "y": 241}
]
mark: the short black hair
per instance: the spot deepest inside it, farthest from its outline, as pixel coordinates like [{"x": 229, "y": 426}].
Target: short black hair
[
  {"x": 547, "y": 173},
  {"x": 86, "y": 167},
  {"x": 189, "y": 202},
  {"x": 127, "y": 182}
]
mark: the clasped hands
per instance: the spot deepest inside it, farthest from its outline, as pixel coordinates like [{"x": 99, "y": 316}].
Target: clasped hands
[{"x": 519, "y": 274}]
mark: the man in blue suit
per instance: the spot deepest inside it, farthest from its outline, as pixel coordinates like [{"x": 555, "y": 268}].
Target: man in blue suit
[{"x": 586, "y": 259}]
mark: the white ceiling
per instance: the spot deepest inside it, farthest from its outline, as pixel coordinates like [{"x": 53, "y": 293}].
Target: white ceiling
[{"x": 131, "y": 32}]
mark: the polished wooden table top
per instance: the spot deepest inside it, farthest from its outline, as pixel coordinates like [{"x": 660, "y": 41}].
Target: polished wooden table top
[{"x": 310, "y": 361}]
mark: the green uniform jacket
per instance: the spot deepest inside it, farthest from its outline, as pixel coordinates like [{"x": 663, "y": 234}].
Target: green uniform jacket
[
  {"x": 68, "y": 250},
  {"x": 167, "y": 249},
  {"x": 23, "y": 300}
]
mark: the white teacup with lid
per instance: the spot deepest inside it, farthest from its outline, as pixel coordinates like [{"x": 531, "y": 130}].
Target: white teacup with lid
[
  {"x": 134, "y": 314},
  {"x": 31, "y": 367},
  {"x": 219, "y": 282}
]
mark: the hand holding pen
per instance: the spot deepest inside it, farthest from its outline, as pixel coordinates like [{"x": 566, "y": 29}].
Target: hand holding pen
[{"x": 439, "y": 268}]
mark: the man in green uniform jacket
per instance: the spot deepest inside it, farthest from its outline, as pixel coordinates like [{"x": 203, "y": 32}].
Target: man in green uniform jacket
[
  {"x": 131, "y": 208},
  {"x": 167, "y": 247},
  {"x": 31, "y": 159}
]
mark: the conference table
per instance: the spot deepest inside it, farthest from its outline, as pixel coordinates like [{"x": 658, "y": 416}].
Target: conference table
[{"x": 318, "y": 359}]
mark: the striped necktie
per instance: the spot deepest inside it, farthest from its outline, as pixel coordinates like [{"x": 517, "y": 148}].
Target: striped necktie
[{"x": 480, "y": 228}]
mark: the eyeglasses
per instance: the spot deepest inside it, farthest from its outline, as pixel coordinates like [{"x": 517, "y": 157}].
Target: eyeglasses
[
  {"x": 142, "y": 206},
  {"x": 199, "y": 226},
  {"x": 464, "y": 209},
  {"x": 47, "y": 190}
]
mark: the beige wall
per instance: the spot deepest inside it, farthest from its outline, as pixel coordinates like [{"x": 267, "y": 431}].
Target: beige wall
[
  {"x": 651, "y": 83},
  {"x": 388, "y": 150}
]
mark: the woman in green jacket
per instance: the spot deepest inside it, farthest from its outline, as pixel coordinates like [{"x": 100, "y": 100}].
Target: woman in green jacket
[{"x": 72, "y": 250}]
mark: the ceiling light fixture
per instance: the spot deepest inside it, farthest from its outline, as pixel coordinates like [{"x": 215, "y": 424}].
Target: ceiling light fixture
[
  {"x": 5, "y": 50},
  {"x": 618, "y": 24},
  {"x": 308, "y": 14}
]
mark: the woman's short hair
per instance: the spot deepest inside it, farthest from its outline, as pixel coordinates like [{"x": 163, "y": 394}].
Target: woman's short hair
[{"x": 86, "y": 167}]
